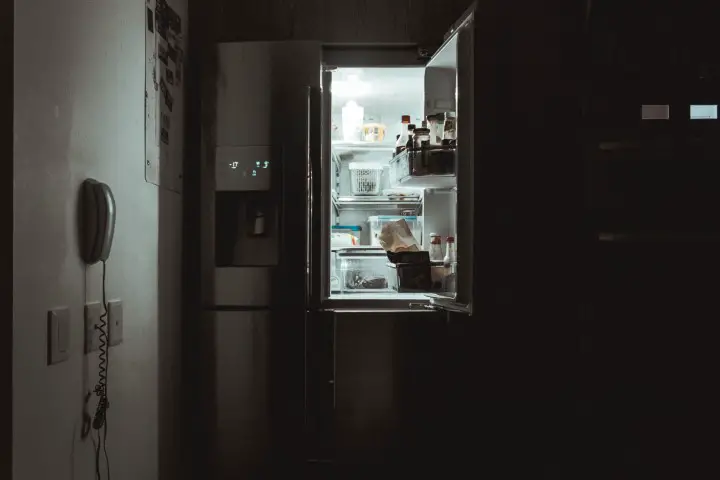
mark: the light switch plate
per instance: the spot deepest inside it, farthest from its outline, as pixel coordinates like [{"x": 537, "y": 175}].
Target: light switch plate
[
  {"x": 92, "y": 326},
  {"x": 58, "y": 335},
  {"x": 115, "y": 314}
]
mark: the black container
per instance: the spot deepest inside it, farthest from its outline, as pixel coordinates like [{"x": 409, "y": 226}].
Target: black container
[
  {"x": 410, "y": 277},
  {"x": 421, "y": 257}
]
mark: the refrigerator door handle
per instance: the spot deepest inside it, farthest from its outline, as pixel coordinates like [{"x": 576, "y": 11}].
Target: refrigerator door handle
[{"x": 314, "y": 238}]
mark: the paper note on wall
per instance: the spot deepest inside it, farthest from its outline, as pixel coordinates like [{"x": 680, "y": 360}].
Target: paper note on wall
[{"x": 165, "y": 59}]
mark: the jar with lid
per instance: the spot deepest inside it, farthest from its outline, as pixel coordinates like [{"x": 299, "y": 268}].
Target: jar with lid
[
  {"x": 436, "y": 124},
  {"x": 449, "y": 127},
  {"x": 421, "y": 134},
  {"x": 436, "y": 253}
]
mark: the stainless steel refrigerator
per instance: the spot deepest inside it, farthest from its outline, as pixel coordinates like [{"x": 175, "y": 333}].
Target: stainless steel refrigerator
[{"x": 276, "y": 156}]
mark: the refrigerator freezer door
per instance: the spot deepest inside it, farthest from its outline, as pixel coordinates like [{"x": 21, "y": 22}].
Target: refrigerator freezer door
[{"x": 263, "y": 106}]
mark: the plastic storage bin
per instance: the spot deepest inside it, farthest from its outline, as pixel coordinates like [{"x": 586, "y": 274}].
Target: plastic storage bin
[
  {"x": 376, "y": 224},
  {"x": 345, "y": 235},
  {"x": 362, "y": 270},
  {"x": 365, "y": 178}
]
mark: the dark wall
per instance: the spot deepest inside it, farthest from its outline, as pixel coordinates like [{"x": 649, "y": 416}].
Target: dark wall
[{"x": 338, "y": 21}]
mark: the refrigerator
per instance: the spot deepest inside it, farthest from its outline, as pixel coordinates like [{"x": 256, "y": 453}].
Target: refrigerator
[{"x": 278, "y": 180}]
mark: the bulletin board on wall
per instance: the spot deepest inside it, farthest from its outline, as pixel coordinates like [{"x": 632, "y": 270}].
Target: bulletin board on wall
[{"x": 164, "y": 51}]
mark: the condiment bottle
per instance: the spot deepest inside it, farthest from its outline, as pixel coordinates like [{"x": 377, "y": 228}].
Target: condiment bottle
[
  {"x": 402, "y": 139},
  {"x": 411, "y": 133},
  {"x": 436, "y": 253},
  {"x": 451, "y": 252}
]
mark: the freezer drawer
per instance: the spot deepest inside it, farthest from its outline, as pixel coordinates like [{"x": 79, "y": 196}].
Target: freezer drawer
[{"x": 241, "y": 423}]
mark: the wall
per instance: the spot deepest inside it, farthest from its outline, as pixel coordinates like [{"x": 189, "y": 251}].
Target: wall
[
  {"x": 79, "y": 112},
  {"x": 357, "y": 21}
]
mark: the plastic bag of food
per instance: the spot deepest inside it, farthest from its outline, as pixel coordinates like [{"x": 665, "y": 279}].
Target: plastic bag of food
[{"x": 397, "y": 237}]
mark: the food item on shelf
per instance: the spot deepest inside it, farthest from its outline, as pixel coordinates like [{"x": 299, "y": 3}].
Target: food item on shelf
[
  {"x": 397, "y": 237},
  {"x": 373, "y": 132}
]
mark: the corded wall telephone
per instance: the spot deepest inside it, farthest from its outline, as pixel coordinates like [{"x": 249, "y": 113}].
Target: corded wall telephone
[
  {"x": 98, "y": 210},
  {"x": 96, "y": 236}
]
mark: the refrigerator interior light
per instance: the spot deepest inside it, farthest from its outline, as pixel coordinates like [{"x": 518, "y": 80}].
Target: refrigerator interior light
[{"x": 351, "y": 87}]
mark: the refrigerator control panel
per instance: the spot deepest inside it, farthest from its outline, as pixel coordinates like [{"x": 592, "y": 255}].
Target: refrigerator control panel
[{"x": 242, "y": 168}]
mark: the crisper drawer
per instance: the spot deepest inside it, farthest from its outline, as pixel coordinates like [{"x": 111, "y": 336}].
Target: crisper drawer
[
  {"x": 362, "y": 270},
  {"x": 242, "y": 286}
]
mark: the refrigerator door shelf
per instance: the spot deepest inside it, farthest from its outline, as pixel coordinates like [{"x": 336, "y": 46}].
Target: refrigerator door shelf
[{"x": 433, "y": 168}]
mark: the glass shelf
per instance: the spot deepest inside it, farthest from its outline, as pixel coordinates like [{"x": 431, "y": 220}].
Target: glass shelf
[
  {"x": 376, "y": 203},
  {"x": 362, "y": 147}
]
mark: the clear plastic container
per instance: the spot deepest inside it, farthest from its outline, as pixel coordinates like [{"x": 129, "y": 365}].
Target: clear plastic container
[
  {"x": 376, "y": 223},
  {"x": 366, "y": 178},
  {"x": 362, "y": 270}
]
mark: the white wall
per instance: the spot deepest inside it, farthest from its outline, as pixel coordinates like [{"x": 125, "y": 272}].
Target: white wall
[{"x": 79, "y": 109}]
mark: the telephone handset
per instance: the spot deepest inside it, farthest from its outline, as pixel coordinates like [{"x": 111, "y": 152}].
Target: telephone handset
[{"x": 98, "y": 223}]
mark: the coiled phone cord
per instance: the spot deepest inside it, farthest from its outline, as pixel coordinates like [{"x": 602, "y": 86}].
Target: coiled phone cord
[{"x": 99, "y": 422}]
